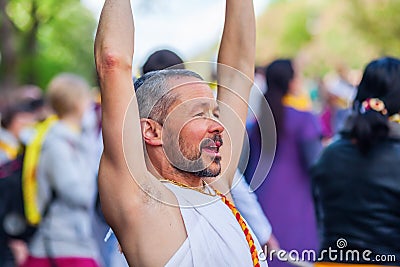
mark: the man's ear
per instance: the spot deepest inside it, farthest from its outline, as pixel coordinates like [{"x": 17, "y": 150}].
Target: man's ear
[{"x": 151, "y": 132}]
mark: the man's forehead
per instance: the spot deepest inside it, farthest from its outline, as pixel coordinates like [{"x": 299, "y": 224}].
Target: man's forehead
[
  {"x": 203, "y": 103},
  {"x": 191, "y": 89},
  {"x": 197, "y": 103}
]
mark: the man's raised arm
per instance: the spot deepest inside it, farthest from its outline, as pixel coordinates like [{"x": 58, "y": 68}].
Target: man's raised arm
[
  {"x": 113, "y": 54},
  {"x": 235, "y": 76}
]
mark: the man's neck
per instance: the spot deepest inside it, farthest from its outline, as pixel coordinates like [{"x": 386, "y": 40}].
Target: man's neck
[
  {"x": 187, "y": 179},
  {"x": 170, "y": 173},
  {"x": 159, "y": 166}
]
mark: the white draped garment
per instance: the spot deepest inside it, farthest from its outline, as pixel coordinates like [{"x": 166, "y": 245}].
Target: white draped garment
[{"x": 215, "y": 237}]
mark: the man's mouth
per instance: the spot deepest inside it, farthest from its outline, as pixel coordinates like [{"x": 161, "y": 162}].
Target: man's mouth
[
  {"x": 212, "y": 146},
  {"x": 211, "y": 149}
]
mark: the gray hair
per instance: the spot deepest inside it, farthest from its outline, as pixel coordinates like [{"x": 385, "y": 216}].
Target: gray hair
[{"x": 153, "y": 94}]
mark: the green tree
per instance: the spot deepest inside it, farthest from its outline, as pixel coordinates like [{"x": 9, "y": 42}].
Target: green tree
[
  {"x": 378, "y": 22},
  {"x": 329, "y": 33},
  {"x": 40, "y": 38},
  {"x": 286, "y": 28}
]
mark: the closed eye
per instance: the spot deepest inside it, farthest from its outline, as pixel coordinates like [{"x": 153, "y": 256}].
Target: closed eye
[{"x": 201, "y": 114}]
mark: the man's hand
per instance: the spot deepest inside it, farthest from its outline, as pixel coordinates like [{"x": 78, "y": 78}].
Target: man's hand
[{"x": 272, "y": 244}]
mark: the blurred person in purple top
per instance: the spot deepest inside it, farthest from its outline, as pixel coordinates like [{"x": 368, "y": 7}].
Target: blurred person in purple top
[{"x": 285, "y": 195}]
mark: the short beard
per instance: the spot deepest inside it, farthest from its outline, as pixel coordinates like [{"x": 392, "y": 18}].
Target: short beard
[
  {"x": 206, "y": 172},
  {"x": 191, "y": 162}
]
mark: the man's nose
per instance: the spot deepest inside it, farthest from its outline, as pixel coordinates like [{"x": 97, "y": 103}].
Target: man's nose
[{"x": 216, "y": 126}]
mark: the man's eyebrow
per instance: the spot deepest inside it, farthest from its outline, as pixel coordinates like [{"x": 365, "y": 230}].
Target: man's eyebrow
[{"x": 205, "y": 104}]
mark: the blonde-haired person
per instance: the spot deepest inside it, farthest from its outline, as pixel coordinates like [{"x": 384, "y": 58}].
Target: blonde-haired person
[{"x": 66, "y": 178}]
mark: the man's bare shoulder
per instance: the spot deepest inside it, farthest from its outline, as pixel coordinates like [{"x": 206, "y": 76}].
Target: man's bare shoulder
[
  {"x": 145, "y": 221},
  {"x": 147, "y": 190}
]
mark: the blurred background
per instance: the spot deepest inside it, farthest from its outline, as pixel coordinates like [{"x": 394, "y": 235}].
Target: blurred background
[
  {"x": 328, "y": 42},
  {"x": 39, "y": 39}
]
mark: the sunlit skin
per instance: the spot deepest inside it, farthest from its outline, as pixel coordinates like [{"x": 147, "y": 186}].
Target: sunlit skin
[
  {"x": 191, "y": 135},
  {"x": 143, "y": 212}
]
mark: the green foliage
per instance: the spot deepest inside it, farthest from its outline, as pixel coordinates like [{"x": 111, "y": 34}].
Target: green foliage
[
  {"x": 296, "y": 34},
  {"x": 52, "y": 36},
  {"x": 286, "y": 28},
  {"x": 378, "y": 22},
  {"x": 326, "y": 34}
]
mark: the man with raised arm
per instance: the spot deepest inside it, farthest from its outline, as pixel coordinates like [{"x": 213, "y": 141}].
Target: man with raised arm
[{"x": 163, "y": 145}]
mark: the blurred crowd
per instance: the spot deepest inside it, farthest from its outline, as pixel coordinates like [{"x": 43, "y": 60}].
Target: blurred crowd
[{"x": 334, "y": 172}]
